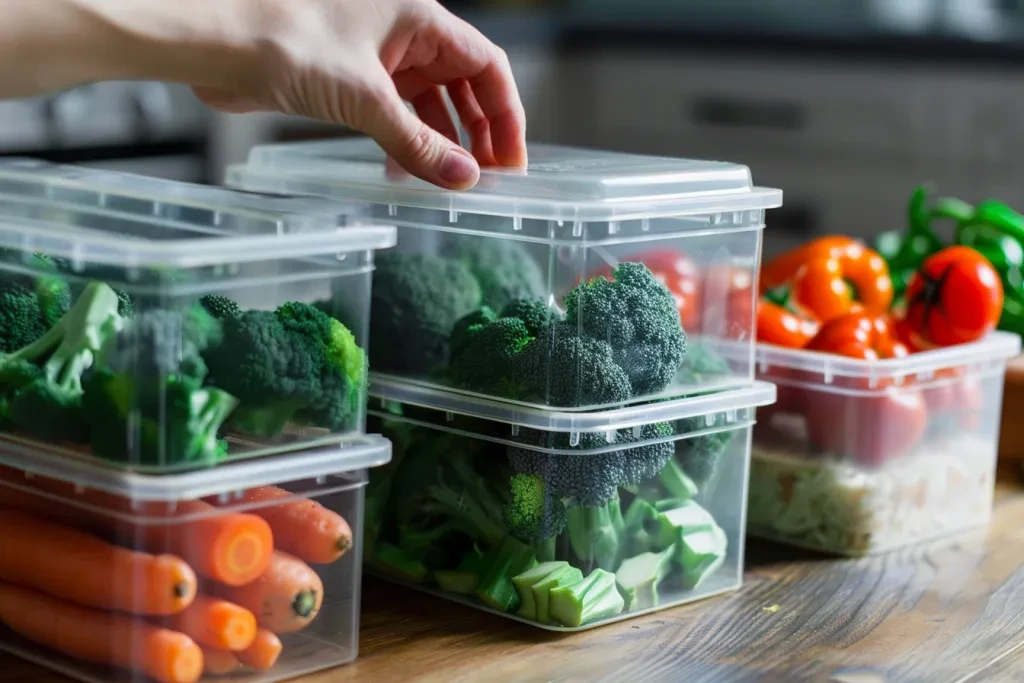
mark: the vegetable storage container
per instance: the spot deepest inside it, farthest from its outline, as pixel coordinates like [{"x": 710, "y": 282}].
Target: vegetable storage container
[
  {"x": 570, "y": 526},
  {"x": 859, "y": 457},
  {"x": 142, "y": 317},
  {"x": 252, "y": 568},
  {"x": 677, "y": 242}
]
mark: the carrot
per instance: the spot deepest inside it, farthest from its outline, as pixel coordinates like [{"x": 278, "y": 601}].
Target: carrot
[
  {"x": 218, "y": 662},
  {"x": 229, "y": 547},
  {"x": 100, "y": 637},
  {"x": 73, "y": 565},
  {"x": 216, "y": 623},
  {"x": 263, "y": 652},
  {"x": 304, "y": 528},
  {"x": 285, "y": 599}
]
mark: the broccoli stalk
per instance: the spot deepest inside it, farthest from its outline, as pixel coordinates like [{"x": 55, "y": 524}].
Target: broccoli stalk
[
  {"x": 496, "y": 589},
  {"x": 638, "y": 578},
  {"x": 464, "y": 498},
  {"x": 590, "y": 599},
  {"x": 595, "y": 533}
]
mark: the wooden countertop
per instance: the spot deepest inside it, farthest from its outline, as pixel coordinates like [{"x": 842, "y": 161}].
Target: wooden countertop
[{"x": 952, "y": 612}]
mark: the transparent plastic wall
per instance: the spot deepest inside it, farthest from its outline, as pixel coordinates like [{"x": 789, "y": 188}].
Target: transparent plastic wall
[
  {"x": 859, "y": 457},
  {"x": 166, "y": 326},
  {"x": 483, "y": 293}
]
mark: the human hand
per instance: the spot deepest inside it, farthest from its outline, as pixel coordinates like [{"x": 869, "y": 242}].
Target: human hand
[{"x": 356, "y": 62}]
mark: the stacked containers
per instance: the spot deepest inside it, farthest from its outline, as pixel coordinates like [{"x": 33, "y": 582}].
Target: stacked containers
[
  {"x": 860, "y": 457},
  {"x": 491, "y": 312},
  {"x": 181, "y": 426}
]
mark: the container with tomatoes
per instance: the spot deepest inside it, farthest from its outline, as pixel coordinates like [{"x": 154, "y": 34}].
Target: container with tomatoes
[
  {"x": 251, "y": 570},
  {"x": 886, "y": 428}
]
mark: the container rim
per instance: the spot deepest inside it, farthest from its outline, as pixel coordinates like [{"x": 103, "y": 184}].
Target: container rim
[
  {"x": 998, "y": 346},
  {"x": 358, "y": 453},
  {"x": 386, "y": 389}
]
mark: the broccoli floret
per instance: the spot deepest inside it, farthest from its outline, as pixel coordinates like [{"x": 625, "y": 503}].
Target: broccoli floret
[
  {"x": 637, "y": 316},
  {"x": 702, "y": 363},
  {"x": 468, "y": 327},
  {"x": 294, "y": 364},
  {"x": 698, "y": 456},
  {"x": 486, "y": 362},
  {"x": 534, "y": 313},
  {"x": 47, "y": 412},
  {"x": 565, "y": 369},
  {"x": 534, "y": 515},
  {"x": 590, "y": 599},
  {"x": 220, "y": 307},
  {"x": 159, "y": 343},
  {"x": 504, "y": 270},
  {"x": 21, "y": 320},
  {"x": 125, "y": 305},
  {"x": 415, "y": 302}
]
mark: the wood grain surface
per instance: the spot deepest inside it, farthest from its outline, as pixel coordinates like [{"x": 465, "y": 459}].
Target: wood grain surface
[
  {"x": 1011, "y": 433},
  {"x": 943, "y": 613}
]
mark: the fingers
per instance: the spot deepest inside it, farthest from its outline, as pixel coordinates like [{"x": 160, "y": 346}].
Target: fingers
[
  {"x": 416, "y": 146},
  {"x": 473, "y": 120},
  {"x": 428, "y": 101},
  {"x": 498, "y": 100}
]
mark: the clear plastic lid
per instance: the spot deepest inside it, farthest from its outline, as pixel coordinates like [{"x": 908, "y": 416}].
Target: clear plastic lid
[
  {"x": 396, "y": 391},
  {"x": 356, "y": 454},
  {"x": 997, "y": 347},
  {"x": 560, "y": 183},
  {"x": 113, "y": 218}
]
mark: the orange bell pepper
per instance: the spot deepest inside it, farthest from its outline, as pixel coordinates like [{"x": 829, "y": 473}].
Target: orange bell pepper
[
  {"x": 831, "y": 277},
  {"x": 857, "y": 335},
  {"x": 781, "y": 327}
]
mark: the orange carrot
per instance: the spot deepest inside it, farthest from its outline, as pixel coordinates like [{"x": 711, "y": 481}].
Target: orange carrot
[
  {"x": 229, "y": 547},
  {"x": 304, "y": 527},
  {"x": 285, "y": 599},
  {"x": 100, "y": 637},
  {"x": 216, "y": 623},
  {"x": 263, "y": 652},
  {"x": 73, "y": 565},
  {"x": 218, "y": 662}
]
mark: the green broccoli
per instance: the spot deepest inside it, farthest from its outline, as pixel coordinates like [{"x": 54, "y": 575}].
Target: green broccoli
[
  {"x": 510, "y": 559},
  {"x": 637, "y": 316},
  {"x": 220, "y": 306},
  {"x": 125, "y": 304},
  {"x": 698, "y": 456},
  {"x": 504, "y": 270},
  {"x": 488, "y": 359},
  {"x": 701, "y": 364},
  {"x": 534, "y": 515},
  {"x": 31, "y": 304},
  {"x": 638, "y": 578},
  {"x": 416, "y": 300},
  {"x": 595, "y": 534},
  {"x": 468, "y": 327},
  {"x": 293, "y": 365},
  {"x": 21, "y": 320},
  {"x": 534, "y": 313},
  {"x": 593, "y": 598}
]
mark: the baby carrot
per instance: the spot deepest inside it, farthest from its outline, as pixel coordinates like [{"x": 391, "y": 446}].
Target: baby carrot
[
  {"x": 229, "y": 547},
  {"x": 218, "y": 662},
  {"x": 73, "y": 565},
  {"x": 286, "y": 598},
  {"x": 263, "y": 652},
  {"x": 302, "y": 527},
  {"x": 216, "y": 623},
  {"x": 101, "y": 637}
]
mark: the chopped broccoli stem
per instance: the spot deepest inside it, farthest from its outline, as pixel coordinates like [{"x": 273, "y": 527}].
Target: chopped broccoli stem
[
  {"x": 594, "y": 534},
  {"x": 638, "y": 578},
  {"x": 496, "y": 589},
  {"x": 700, "y": 554},
  {"x": 642, "y": 528},
  {"x": 525, "y": 582},
  {"x": 590, "y": 599},
  {"x": 457, "y": 581},
  {"x": 393, "y": 561},
  {"x": 542, "y": 590},
  {"x": 675, "y": 481}
]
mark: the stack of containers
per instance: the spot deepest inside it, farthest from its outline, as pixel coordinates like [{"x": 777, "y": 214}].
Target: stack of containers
[
  {"x": 563, "y": 359},
  {"x": 182, "y": 446}
]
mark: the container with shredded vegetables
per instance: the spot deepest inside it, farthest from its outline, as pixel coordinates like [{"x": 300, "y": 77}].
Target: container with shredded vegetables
[{"x": 860, "y": 457}]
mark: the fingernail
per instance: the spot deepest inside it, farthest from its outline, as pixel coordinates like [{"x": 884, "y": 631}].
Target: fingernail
[{"x": 458, "y": 168}]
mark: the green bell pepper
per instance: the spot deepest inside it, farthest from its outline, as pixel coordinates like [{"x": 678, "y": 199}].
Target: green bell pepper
[{"x": 906, "y": 252}]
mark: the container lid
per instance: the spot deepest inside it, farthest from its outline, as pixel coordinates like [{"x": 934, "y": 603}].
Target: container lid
[
  {"x": 560, "y": 183},
  {"x": 112, "y": 218},
  {"x": 356, "y": 454},
  {"x": 996, "y": 347},
  {"x": 398, "y": 391}
]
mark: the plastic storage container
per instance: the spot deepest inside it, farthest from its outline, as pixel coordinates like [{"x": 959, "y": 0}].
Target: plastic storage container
[
  {"x": 859, "y": 457},
  {"x": 185, "y": 605},
  {"x": 533, "y": 235},
  {"x": 565, "y": 530},
  {"x": 116, "y": 297}
]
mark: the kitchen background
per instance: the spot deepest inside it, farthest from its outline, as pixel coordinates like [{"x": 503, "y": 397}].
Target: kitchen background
[{"x": 847, "y": 105}]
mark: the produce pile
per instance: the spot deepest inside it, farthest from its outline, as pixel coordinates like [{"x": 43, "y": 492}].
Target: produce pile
[
  {"x": 856, "y": 464},
  {"x": 208, "y": 592},
  {"x": 476, "y": 318},
  {"x": 563, "y": 539},
  {"x": 147, "y": 385}
]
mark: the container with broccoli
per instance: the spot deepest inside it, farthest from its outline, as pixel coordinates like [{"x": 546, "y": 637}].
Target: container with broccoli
[
  {"x": 165, "y": 326},
  {"x": 520, "y": 514},
  {"x": 588, "y": 281}
]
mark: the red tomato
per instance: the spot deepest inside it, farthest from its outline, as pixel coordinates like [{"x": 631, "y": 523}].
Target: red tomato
[
  {"x": 728, "y": 297},
  {"x": 870, "y": 430},
  {"x": 956, "y": 297},
  {"x": 776, "y": 325},
  {"x": 857, "y": 335},
  {"x": 678, "y": 272}
]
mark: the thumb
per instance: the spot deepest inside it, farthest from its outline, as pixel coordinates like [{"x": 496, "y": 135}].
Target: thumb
[{"x": 414, "y": 145}]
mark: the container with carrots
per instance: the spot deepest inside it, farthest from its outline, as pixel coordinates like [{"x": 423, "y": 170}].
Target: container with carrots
[
  {"x": 886, "y": 428},
  {"x": 252, "y": 574}
]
